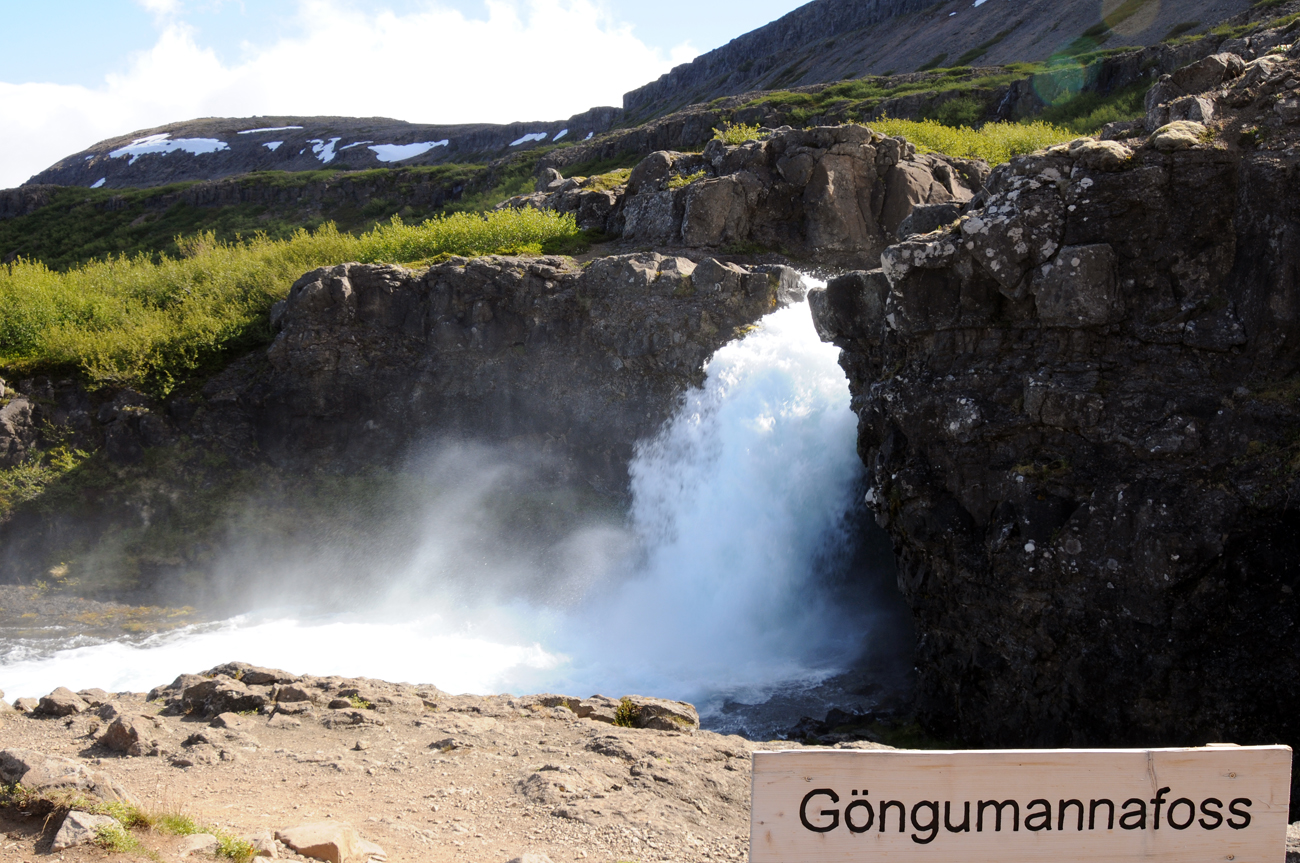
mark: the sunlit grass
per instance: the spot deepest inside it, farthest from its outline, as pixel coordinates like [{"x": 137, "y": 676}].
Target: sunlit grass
[
  {"x": 995, "y": 143},
  {"x": 153, "y": 324}
]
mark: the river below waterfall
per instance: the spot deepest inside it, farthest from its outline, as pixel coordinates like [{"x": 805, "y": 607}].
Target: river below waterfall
[{"x": 732, "y": 580}]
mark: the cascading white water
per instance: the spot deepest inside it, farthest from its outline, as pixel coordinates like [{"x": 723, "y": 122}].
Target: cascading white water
[{"x": 711, "y": 590}]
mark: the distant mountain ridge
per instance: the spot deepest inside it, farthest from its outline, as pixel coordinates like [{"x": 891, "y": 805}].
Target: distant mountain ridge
[
  {"x": 829, "y": 40},
  {"x": 214, "y": 148},
  {"x": 820, "y": 42}
]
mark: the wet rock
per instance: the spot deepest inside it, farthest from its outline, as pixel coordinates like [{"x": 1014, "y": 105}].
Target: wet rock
[
  {"x": 80, "y": 828},
  {"x": 17, "y": 431},
  {"x": 60, "y": 702}
]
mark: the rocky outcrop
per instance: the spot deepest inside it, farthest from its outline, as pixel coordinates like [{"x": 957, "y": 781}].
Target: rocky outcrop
[
  {"x": 582, "y": 361},
  {"x": 1078, "y": 410},
  {"x": 830, "y": 193}
]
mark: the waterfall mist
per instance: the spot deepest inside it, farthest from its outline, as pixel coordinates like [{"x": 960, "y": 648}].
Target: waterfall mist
[{"x": 737, "y": 571}]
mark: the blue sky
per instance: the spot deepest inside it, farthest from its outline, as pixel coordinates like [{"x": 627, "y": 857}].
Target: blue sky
[
  {"x": 74, "y": 72},
  {"x": 80, "y": 41}
]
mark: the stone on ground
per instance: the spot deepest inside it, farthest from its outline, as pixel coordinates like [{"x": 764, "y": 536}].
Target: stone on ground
[
  {"x": 136, "y": 735},
  {"x": 79, "y": 828},
  {"x": 335, "y": 842},
  {"x": 1181, "y": 135},
  {"x": 61, "y": 702},
  {"x": 46, "y": 774},
  {"x": 531, "y": 858},
  {"x": 197, "y": 843}
]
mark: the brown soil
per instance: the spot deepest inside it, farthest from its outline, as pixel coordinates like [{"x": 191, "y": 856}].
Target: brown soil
[{"x": 507, "y": 776}]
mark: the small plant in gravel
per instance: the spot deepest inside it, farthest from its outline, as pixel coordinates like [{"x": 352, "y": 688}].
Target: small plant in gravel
[{"x": 360, "y": 703}]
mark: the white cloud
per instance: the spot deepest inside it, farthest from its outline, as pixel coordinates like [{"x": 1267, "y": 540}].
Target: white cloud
[
  {"x": 161, "y": 7},
  {"x": 529, "y": 60}
]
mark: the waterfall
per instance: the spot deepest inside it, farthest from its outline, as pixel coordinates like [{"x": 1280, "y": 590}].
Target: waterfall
[{"x": 714, "y": 586}]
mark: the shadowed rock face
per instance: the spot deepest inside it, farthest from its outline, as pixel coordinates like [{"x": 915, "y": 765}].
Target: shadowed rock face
[
  {"x": 581, "y": 362},
  {"x": 1078, "y": 409}
]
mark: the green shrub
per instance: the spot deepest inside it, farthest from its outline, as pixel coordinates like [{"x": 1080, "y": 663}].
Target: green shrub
[
  {"x": 627, "y": 713},
  {"x": 733, "y": 133},
  {"x": 993, "y": 142},
  {"x": 154, "y": 325},
  {"x": 961, "y": 111}
]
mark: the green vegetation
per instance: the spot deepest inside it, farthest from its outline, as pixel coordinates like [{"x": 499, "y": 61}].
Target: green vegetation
[
  {"x": 933, "y": 63},
  {"x": 1087, "y": 112},
  {"x": 626, "y": 714},
  {"x": 360, "y": 703},
  {"x": 737, "y": 133},
  {"x": 993, "y": 142},
  {"x": 122, "y": 838},
  {"x": 79, "y": 225},
  {"x": 154, "y": 325},
  {"x": 1179, "y": 29},
  {"x": 682, "y": 180},
  {"x": 611, "y": 180}
]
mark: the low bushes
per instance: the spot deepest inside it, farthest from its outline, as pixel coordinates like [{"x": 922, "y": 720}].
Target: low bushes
[
  {"x": 993, "y": 142},
  {"x": 154, "y": 324}
]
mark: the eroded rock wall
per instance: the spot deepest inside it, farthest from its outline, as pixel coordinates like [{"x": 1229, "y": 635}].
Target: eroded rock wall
[
  {"x": 1078, "y": 407},
  {"x": 835, "y": 194}
]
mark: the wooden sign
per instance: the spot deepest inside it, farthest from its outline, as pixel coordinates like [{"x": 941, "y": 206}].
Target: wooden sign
[{"x": 1220, "y": 803}]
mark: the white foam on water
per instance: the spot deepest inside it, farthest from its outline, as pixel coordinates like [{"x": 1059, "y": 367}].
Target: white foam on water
[
  {"x": 273, "y": 145},
  {"x": 162, "y": 145},
  {"x": 409, "y": 650},
  {"x": 99, "y": 183},
  {"x": 401, "y": 152},
  {"x": 268, "y": 129},
  {"x": 531, "y": 136},
  {"x": 711, "y": 587}
]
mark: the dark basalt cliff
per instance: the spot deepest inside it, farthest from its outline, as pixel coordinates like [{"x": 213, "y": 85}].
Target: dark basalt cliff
[{"x": 1078, "y": 408}]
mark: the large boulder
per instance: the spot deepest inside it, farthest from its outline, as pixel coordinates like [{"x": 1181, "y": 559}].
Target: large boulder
[
  {"x": 61, "y": 702},
  {"x": 51, "y": 774},
  {"x": 137, "y": 735},
  {"x": 80, "y": 828},
  {"x": 221, "y": 694},
  {"x": 332, "y": 841}
]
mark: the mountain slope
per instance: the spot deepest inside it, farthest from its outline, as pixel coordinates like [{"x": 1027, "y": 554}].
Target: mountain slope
[
  {"x": 212, "y": 148},
  {"x": 829, "y": 40}
]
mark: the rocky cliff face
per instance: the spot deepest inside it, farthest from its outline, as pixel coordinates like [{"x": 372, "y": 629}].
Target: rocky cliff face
[
  {"x": 1078, "y": 407},
  {"x": 829, "y": 194}
]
